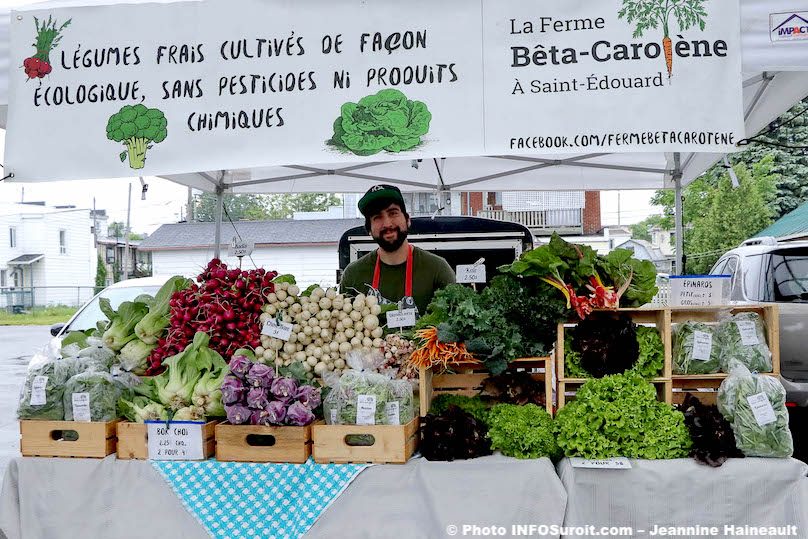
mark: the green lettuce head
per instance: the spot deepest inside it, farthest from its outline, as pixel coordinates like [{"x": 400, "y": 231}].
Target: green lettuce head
[{"x": 385, "y": 121}]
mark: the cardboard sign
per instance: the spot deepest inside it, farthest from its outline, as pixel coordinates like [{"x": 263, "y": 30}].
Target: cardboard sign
[
  {"x": 278, "y": 330},
  {"x": 699, "y": 290},
  {"x": 177, "y": 440},
  {"x": 470, "y": 273},
  {"x": 615, "y": 463},
  {"x": 239, "y": 248}
]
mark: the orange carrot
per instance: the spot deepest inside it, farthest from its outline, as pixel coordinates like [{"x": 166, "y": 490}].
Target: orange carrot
[
  {"x": 667, "y": 44},
  {"x": 432, "y": 352}
]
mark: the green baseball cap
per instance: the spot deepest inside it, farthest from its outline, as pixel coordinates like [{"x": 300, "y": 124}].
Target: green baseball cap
[{"x": 378, "y": 197}]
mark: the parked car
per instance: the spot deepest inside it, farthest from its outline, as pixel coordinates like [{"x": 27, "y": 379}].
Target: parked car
[
  {"x": 764, "y": 270},
  {"x": 90, "y": 313}
]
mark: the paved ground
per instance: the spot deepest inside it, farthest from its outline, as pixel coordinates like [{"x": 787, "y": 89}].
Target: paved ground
[{"x": 17, "y": 345}]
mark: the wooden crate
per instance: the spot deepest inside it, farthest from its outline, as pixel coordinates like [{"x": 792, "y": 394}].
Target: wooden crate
[
  {"x": 391, "y": 444},
  {"x": 256, "y": 443},
  {"x": 658, "y": 317},
  {"x": 47, "y": 438},
  {"x": 133, "y": 440},
  {"x": 467, "y": 378},
  {"x": 703, "y": 386},
  {"x": 770, "y": 314},
  {"x": 568, "y": 388}
]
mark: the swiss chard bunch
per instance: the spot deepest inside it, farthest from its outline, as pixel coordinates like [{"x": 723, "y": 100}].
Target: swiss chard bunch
[
  {"x": 619, "y": 415},
  {"x": 524, "y": 432}
]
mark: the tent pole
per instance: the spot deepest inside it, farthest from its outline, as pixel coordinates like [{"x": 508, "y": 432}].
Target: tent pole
[
  {"x": 219, "y": 211},
  {"x": 678, "y": 214}
]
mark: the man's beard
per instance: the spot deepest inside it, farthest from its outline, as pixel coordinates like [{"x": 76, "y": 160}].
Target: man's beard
[{"x": 391, "y": 246}]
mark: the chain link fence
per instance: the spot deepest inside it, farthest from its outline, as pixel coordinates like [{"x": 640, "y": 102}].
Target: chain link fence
[{"x": 20, "y": 299}]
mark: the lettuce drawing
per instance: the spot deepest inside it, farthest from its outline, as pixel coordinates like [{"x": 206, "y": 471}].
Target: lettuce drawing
[{"x": 386, "y": 121}]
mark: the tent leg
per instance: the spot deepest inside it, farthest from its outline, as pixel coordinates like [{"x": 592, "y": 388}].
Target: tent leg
[
  {"x": 219, "y": 211},
  {"x": 679, "y": 217}
]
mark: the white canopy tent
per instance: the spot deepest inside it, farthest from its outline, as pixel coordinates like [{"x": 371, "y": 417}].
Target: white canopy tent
[{"x": 775, "y": 78}]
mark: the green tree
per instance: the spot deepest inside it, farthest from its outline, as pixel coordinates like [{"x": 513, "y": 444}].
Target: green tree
[
  {"x": 116, "y": 229},
  {"x": 642, "y": 230},
  {"x": 729, "y": 215},
  {"x": 262, "y": 207},
  {"x": 100, "y": 275}
]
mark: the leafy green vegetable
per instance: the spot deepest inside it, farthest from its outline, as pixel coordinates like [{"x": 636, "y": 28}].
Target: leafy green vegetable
[
  {"x": 385, "y": 121},
  {"x": 207, "y": 392},
  {"x": 142, "y": 409},
  {"x": 472, "y": 405},
  {"x": 152, "y": 326},
  {"x": 732, "y": 335},
  {"x": 621, "y": 267},
  {"x": 53, "y": 408},
  {"x": 684, "y": 339},
  {"x": 285, "y": 278},
  {"x": 649, "y": 364},
  {"x": 104, "y": 394},
  {"x": 123, "y": 322},
  {"x": 134, "y": 356},
  {"x": 619, "y": 415},
  {"x": 773, "y": 437},
  {"x": 524, "y": 432},
  {"x": 344, "y": 398},
  {"x": 76, "y": 337},
  {"x": 176, "y": 384}
]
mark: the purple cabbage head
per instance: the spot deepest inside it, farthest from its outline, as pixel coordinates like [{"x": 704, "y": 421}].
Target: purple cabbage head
[
  {"x": 240, "y": 366},
  {"x": 284, "y": 389},
  {"x": 260, "y": 417},
  {"x": 309, "y": 396},
  {"x": 260, "y": 375},
  {"x": 276, "y": 412},
  {"x": 257, "y": 398},
  {"x": 299, "y": 414},
  {"x": 233, "y": 390},
  {"x": 238, "y": 414}
]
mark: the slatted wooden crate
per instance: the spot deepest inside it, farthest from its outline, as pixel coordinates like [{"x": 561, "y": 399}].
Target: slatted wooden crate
[
  {"x": 657, "y": 317},
  {"x": 467, "y": 378},
  {"x": 67, "y": 438},
  {"x": 133, "y": 440},
  {"x": 376, "y": 444},
  {"x": 256, "y": 443},
  {"x": 568, "y": 389}
]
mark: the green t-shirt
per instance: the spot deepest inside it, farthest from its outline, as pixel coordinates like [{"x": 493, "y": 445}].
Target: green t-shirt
[{"x": 430, "y": 273}]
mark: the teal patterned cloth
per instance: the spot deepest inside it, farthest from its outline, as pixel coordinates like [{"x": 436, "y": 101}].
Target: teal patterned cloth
[{"x": 235, "y": 500}]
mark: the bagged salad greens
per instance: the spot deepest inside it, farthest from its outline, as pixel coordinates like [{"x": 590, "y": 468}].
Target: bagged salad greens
[
  {"x": 362, "y": 396},
  {"x": 94, "y": 391},
  {"x": 755, "y": 406},
  {"x": 695, "y": 349},
  {"x": 742, "y": 337}
]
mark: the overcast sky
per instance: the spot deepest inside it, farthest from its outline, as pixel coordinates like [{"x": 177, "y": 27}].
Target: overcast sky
[{"x": 165, "y": 200}]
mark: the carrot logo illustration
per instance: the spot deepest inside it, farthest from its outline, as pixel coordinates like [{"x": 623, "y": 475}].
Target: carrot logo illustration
[
  {"x": 48, "y": 36},
  {"x": 649, "y": 14}
]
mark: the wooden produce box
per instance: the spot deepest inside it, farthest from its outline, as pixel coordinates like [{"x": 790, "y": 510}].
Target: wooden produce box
[
  {"x": 256, "y": 443},
  {"x": 568, "y": 389},
  {"x": 133, "y": 440},
  {"x": 391, "y": 444},
  {"x": 467, "y": 378},
  {"x": 67, "y": 438},
  {"x": 657, "y": 317}
]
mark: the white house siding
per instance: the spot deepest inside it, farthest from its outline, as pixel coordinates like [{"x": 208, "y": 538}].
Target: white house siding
[{"x": 309, "y": 264}]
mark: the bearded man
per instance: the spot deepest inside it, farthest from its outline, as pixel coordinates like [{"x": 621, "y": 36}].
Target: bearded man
[{"x": 396, "y": 272}]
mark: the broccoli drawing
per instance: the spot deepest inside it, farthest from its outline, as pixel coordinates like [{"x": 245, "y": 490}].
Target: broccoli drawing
[{"x": 138, "y": 128}]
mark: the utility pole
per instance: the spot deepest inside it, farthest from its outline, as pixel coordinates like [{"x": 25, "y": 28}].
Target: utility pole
[
  {"x": 95, "y": 227},
  {"x": 618, "y": 209},
  {"x": 126, "y": 235},
  {"x": 189, "y": 212}
]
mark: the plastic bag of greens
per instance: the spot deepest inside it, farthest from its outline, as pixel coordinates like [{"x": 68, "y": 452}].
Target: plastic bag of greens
[
  {"x": 91, "y": 396},
  {"x": 695, "y": 349},
  {"x": 42, "y": 393},
  {"x": 755, "y": 406},
  {"x": 400, "y": 409},
  {"x": 742, "y": 337}
]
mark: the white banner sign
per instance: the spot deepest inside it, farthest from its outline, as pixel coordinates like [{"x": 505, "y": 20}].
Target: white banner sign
[{"x": 166, "y": 88}]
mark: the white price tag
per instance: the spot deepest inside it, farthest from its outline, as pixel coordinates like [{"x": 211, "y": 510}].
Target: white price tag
[
  {"x": 762, "y": 409},
  {"x": 748, "y": 332},
  {"x": 391, "y": 409},
  {"x": 38, "y": 395},
  {"x": 470, "y": 273},
  {"x": 81, "y": 407},
  {"x": 405, "y": 318},
  {"x": 702, "y": 345},
  {"x": 366, "y": 410},
  {"x": 177, "y": 440},
  {"x": 334, "y": 416},
  {"x": 700, "y": 289},
  {"x": 616, "y": 463},
  {"x": 240, "y": 248},
  {"x": 278, "y": 330}
]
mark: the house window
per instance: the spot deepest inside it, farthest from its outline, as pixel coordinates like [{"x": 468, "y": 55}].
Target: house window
[
  {"x": 12, "y": 237},
  {"x": 63, "y": 242},
  {"x": 110, "y": 255},
  {"x": 3, "y": 278}
]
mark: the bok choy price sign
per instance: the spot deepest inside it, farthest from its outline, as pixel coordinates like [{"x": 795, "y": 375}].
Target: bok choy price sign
[
  {"x": 175, "y": 87},
  {"x": 175, "y": 440}
]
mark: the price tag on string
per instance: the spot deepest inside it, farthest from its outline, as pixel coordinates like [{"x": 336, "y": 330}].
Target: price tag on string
[
  {"x": 615, "y": 463},
  {"x": 471, "y": 273},
  {"x": 405, "y": 318},
  {"x": 278, "y": 330},
  {"x": 240, "y": 248},
  {"x": 177, "y": 440}
]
